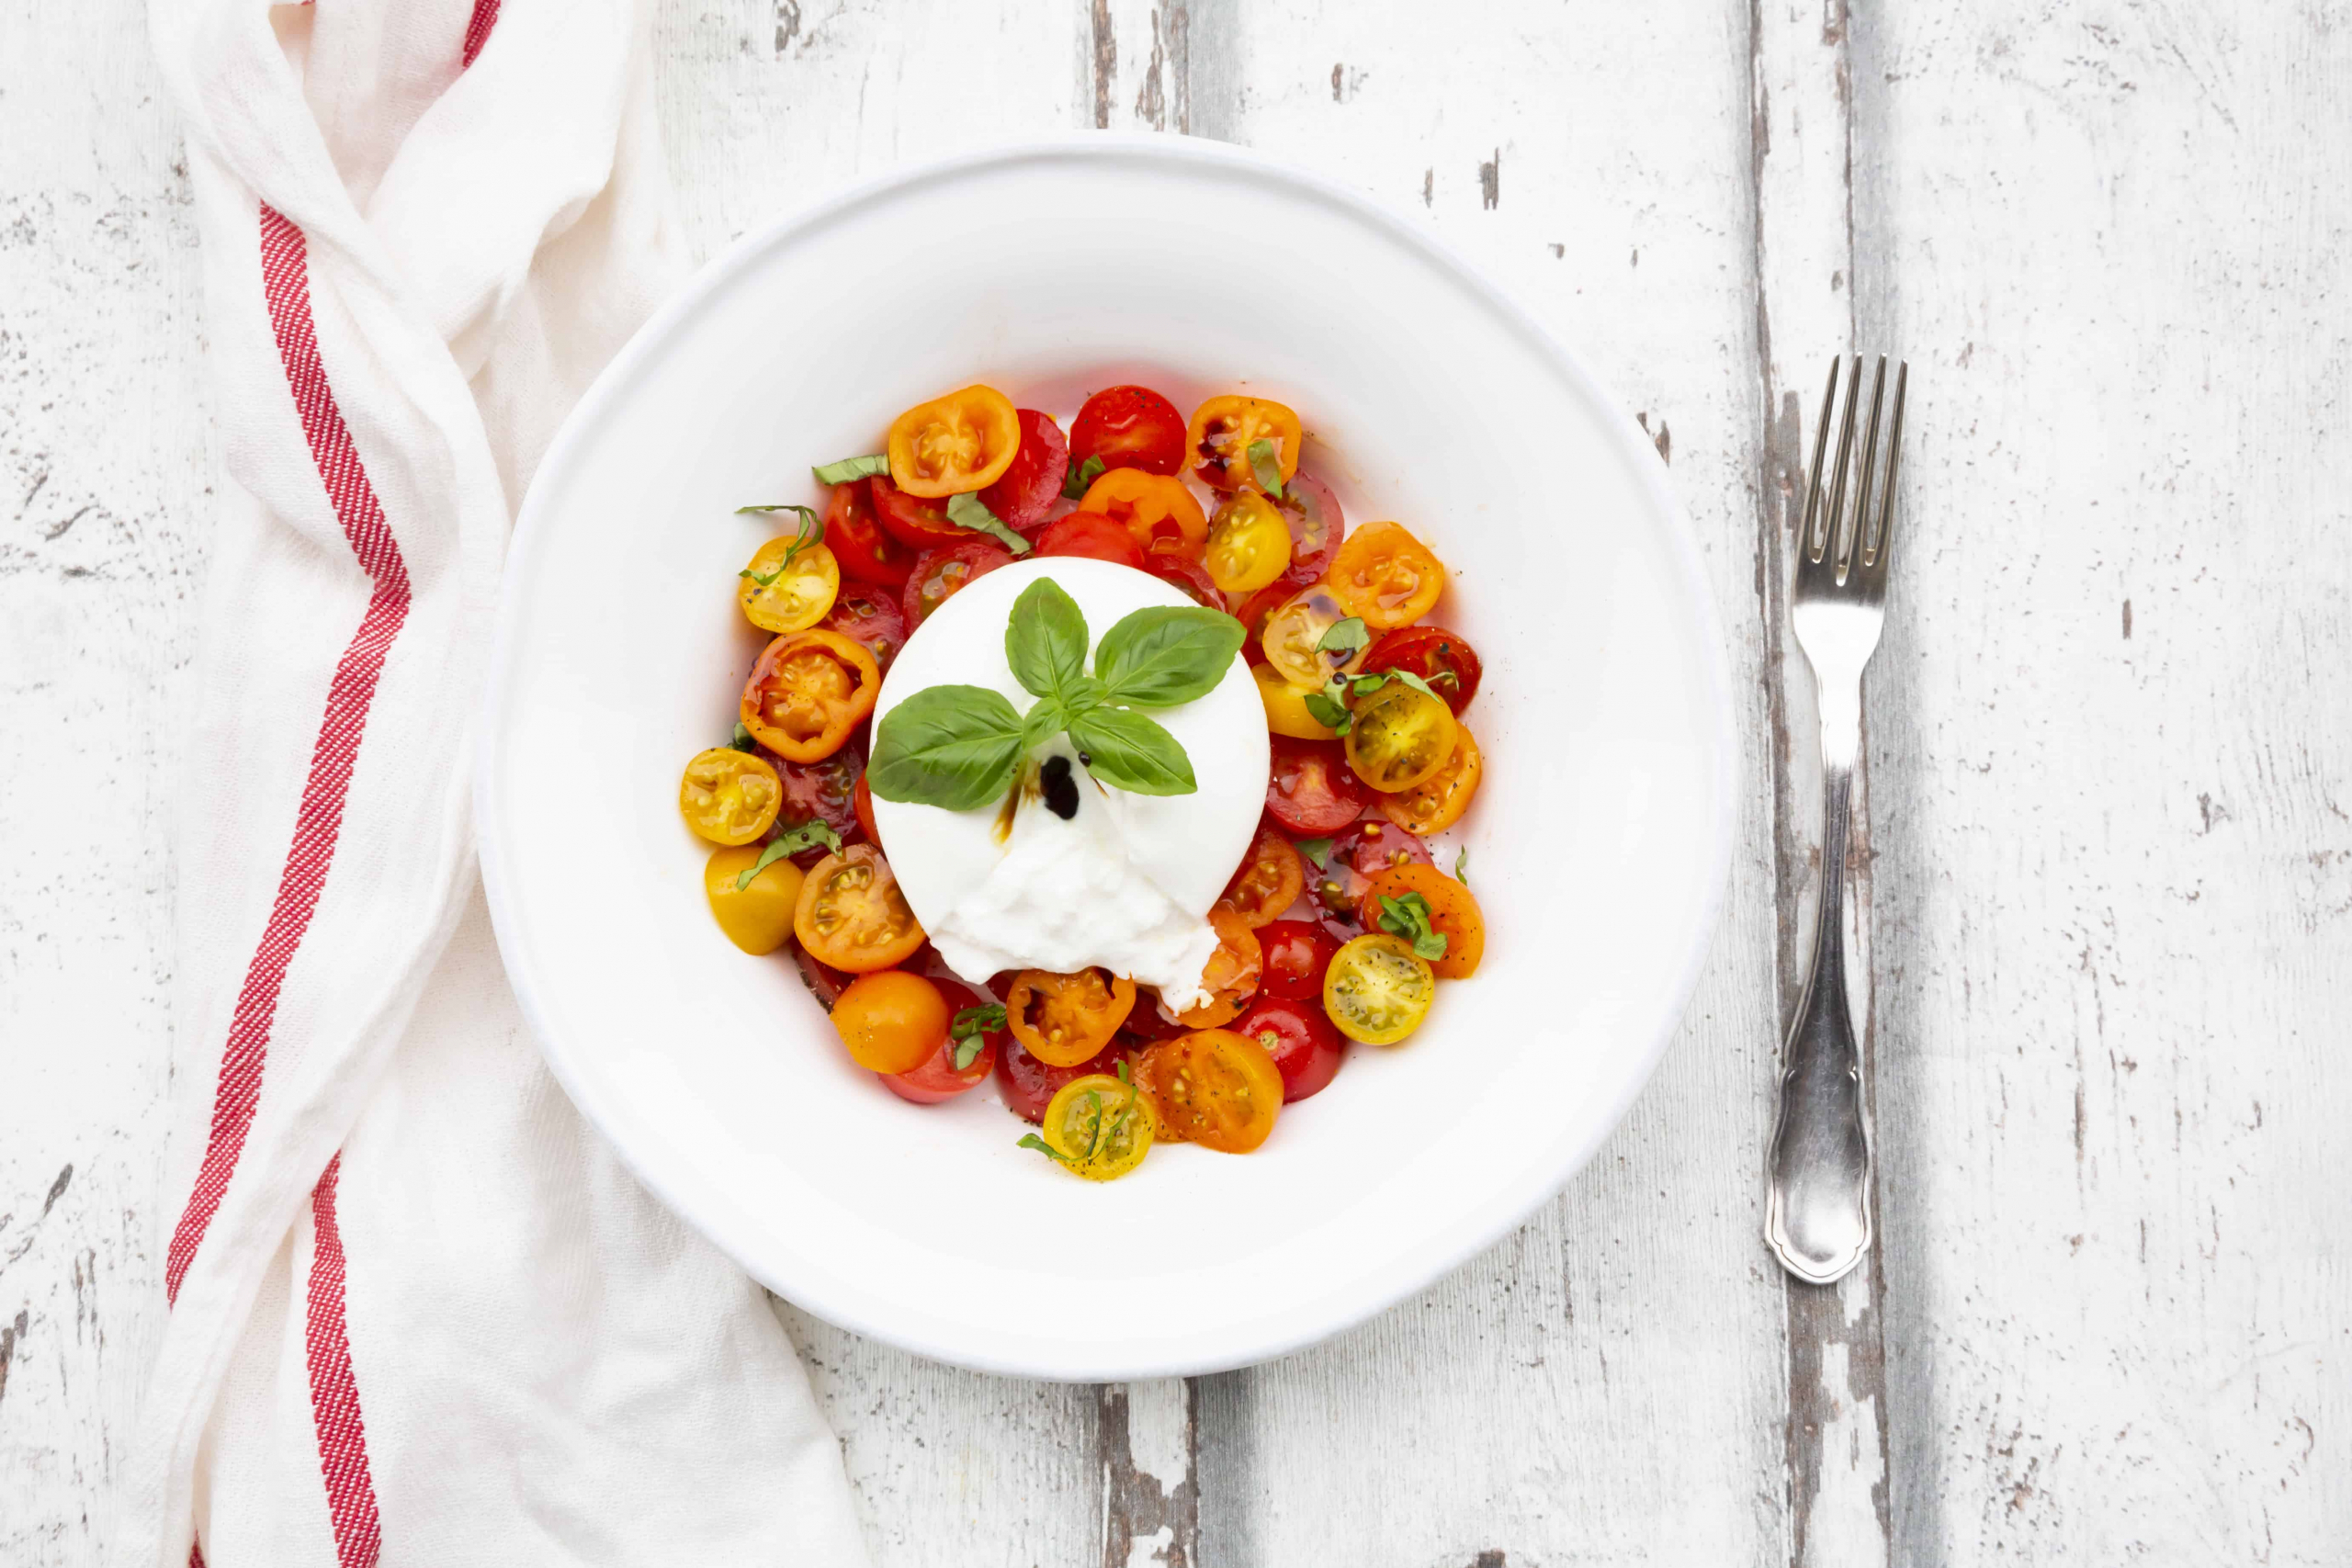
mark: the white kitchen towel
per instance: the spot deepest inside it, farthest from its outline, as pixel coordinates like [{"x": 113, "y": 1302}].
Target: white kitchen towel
[{"x": 419, "y": 1314}]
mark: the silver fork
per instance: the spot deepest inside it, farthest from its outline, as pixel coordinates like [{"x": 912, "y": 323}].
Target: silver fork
[{"x": 1818, "y": 1217}]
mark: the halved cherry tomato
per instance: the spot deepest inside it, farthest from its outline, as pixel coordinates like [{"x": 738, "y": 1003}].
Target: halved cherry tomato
[
  {"x": 890, "y": 1021},
  {"x": 1453, "y": 915},
  {"x": 862, "y": 804},
  {"x": 1128, "y": 427},
  {"x": 963, "y": 441},
  {"x": 1092, "y": 535},
  {"x": 1310, "y": 789},
  {"x": 1150, "y": 1020},
  {"x": 1438, "y": 802},
  {"x": 1230, "y": 977},
  {"x": 1400, "y": 736},
  {"x": 1293, "y": 639},
  {"x": 823, "y": 790},
  {"x": 939, "y": 573},
  {"x": 938, "y": 1078},
  {"x": 1063, "y": 1019},
  {"x": 1317, "y": 526},
  {"x": 1212, "y": 1087},
  {"x": 728, "y": 796},
  {"x": 1285, "y": 706},
  {"x": 855, "y": 536},
  {"x": 1248, "y": 545},
  {"x": 1357, "y": 855},
  {"x": 1171, "y": 566},
  {"x": 1029, "y": 488},
  {"x": 824, "y": 982},
  {"x": 1385, "y": 575},
  {"x": 851, "y": 914},
  {"x": 1100, "y": 1126},
  {"x": 915, "y": 522},
  {"x": 1158, "y": 511},
  {"x": 1297, "y": 1035},
  {"x": 1028, "y": 1084},
  {"x": 872, "y": 617},
  {"x": 1269, "y": 881},
  {"x": 758, "y": 918},
  {"x": 1449, "y": 665},
  {"x": 808, "y": 692},
  {"x": 1296, "y": 954},
  {"x": 1376, "y": 991},
  {"x": 1224, "y": 429},
  {"x": 778, "y": 595},
  {"x": 1260, "y": 608}
]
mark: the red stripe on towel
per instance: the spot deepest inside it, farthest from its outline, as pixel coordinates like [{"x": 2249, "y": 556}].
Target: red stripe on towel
[{"x": 335, "y": 1393}]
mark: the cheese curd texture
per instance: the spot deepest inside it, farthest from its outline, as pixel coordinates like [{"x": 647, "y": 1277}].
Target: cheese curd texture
[{"x": 1127, "y": 883}]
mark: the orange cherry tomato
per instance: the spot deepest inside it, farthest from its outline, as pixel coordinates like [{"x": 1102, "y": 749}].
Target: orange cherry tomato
[
  {"x": 892, "y": 1022},
  {"x": 961, "y": 442},
  {"x": 852, "y": 915},
  {"x": 1387, "y": 576},
  {"x": 730, "y": 796},
  {"x": 1158, "y": 511},
  {"x": 808, "y": 692},
  {"x": 1230, "y": 976},
  {"x": 1063, "y": 1019},
  {"x": 1438, "y": 802},
  {"x": 1270, "y": 880},
  {"x": 1453, "y": 915},
  {"x": 1285, "y": 706},
  {"x": 1400, "y": 737},
  {"x": 1212, "y": 1087},
  {"x": 1223, "y": 430}
]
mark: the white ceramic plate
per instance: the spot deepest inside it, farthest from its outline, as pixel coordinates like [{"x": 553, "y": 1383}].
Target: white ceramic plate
[{"x": 1598, "y": 845}]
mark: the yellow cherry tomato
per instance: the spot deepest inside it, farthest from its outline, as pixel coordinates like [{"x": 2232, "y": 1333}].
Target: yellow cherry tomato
[
  {"x": 1098, "y": 1127},
  {"x": 1400, "y": 737},
  {"x": 1286, "y": 706},
  {"x": 1377, "y": 991},
  {"x": 730, "y": 796},
  {"x": 1387, "y": 576},
  {"x": 778, "y": 595},
  {"x": 1438, "y": 802},
  {"x": 962, "y": 441},
  {"x": 1293, "y": 639},
  {"x": 1249, "y": 544},
  {"x": 891, "y": 1021},
  {"x": 757, "y": 916}
]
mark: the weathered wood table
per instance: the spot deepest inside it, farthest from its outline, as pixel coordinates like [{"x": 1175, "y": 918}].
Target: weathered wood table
[{"x": 2107, "y": 882}]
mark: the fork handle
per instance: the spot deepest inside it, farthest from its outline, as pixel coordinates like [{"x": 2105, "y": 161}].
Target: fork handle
[{"x": 1818, "y": 1217}]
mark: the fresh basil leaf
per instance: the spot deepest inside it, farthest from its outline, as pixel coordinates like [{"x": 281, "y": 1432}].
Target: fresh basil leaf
[
  {"x": 970, "y": 1028},
  {"x": 1344, "y": 636},
  {"x": 1413, "y": 681},
  {"x": 1128, "y": 751},
  {"x": 967, "y": 511},
  {"x": 952, "y": 747},
  {"x": 1031, "y": 1141},
  {"x": 1266, "y": 463},
  {"x": 1077, "y": 481},
  {"x": 1409, "y": 917},
  {"x": 850, "y": 469},
  {"x": 1046, "y": 640},
  {"x": 768, "y": 857},
  {"x": 1328, "y": 712},
  {"x": 1317, "y": 849},
  {"x": 1123, "y": 1076},
  {"x": 1462, "y": 868},
  {"x": 791, "y": 842},
  {"x": 762, "y": 581},
  {"x": 1166, "y": 655},
  {"x": 743, "y": 740},
  {"x": 1045, "y": 719}
]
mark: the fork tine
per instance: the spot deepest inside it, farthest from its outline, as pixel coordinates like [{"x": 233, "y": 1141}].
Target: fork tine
[
  {"x": 1850, "y": 558},
  {"x": 1882, "y": 534},
  {"x": 1810, "y": 552},
  {"x": 1831, "y": 550}
]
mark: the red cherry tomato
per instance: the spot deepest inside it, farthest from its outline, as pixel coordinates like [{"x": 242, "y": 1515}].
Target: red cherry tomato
[
  {"x": 918, "y": 522},
  {"x": 1305, "y": 1047},
  {"x": 939, "y": 573},
  {"x": 1093, "y": 534},
  {"x": 1440, "y": 656},
  {"x": 1129, "y": 427},
  {"x": 869, "y": 616},
  {"x": 939, "y": 1078},
  {"x": 1261, "y": 607},
  {"x": 854, "y": 535},
  {"x": 1311, "y": 790},
  {"x": 827, "y": 790},
  {"x": 1028, "y": 1084},
  {"x": 824, "y": 982},
  {"x": 1146, "y": 1021},
  {"x": 1317, "y": 527},
  {"x": 1356, "y": 856},
  {"x": 1296, "y": 954},
  {"x": 1169, "y": 566},
  {"x": 1028, "y": 489},
  {"x": 862, "y": 803}
]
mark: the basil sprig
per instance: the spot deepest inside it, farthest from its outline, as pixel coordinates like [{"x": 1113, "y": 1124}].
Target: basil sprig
[
  {"x": 1331, "y": 708},
  {"x": 967, "y": 511},
  {"x": 812, "y": 532},
  {"x": 791, "y": 842},
  {"x": 1461, "y": 867},
  {"x": 960, "y": 747},
  {"x": 1266, "y": 464},
  {"x": 850, "y": 469},
  {"x": 1344, "y": 636},
  {"x": 1409, "y": 917},
  {"x": 968, "y": 1028},
  {"x": 1081, "y": 479}
]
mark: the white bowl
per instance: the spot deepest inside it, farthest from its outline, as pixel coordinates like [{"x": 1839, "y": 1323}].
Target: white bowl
[{"x": 1598, "y": 846}]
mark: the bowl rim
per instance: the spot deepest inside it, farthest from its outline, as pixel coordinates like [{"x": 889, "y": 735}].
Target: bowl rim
[{"x": 1241, "y": 1343}]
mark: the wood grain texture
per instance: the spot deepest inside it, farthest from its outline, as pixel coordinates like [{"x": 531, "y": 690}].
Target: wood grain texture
[{"x": 2105, "y": 886}]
